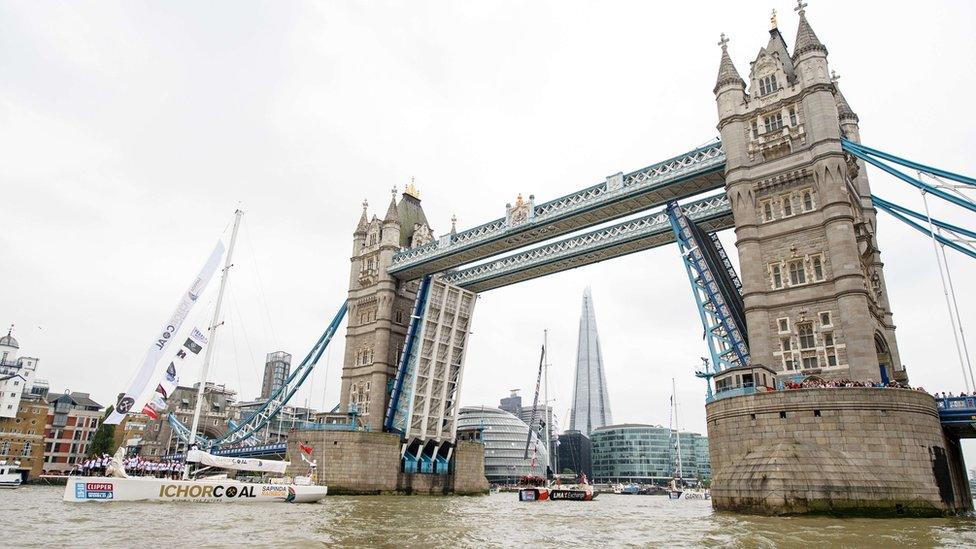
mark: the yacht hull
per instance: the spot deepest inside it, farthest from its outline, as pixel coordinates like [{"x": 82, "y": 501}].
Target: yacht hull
[{"x": 80, "y": 489}]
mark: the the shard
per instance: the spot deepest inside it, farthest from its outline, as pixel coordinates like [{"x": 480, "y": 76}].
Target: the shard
[{"x": 591, "y": 404}]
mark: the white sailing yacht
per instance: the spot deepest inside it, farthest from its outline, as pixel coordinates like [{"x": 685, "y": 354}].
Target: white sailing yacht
[{"x": 116, "y": 485}]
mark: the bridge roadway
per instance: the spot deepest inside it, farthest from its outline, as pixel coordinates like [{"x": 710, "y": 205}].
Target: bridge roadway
[
  {"x": 958, "y": 415},
  {"x": 683, "y": 176},
  {"x": 712, "y": 213}
]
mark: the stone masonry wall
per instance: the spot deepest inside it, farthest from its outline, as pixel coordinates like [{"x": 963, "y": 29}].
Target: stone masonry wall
[
  {"x": 350, "y": 462},
  {"x": 856, "y": 451},
  {"x": 469, "y": 468},
  {"x": 359, "y": 462}
]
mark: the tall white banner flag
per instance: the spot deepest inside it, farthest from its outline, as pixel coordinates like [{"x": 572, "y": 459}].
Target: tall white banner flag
[{"x": 139, "y": 392}]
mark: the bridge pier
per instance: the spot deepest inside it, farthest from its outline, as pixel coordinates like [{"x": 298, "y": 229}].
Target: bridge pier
[
  {"x": 364, "y": 462},
  {"x": 844, "y": 451}
]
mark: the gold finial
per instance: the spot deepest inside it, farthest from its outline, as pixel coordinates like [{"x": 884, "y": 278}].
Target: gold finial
[
  {"x": 799, "y": 7},
  {"x": 772, "y": 20},
  {"x": 723, "y": 41},
  {"x": 412, "y": 189}
]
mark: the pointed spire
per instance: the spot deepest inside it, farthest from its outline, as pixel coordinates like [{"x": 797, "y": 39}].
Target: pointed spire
[
  {"x": 454, "y": 224},
  {"x": 391, "y": 212},
  {"x": 363, "y": 220},
  {"x": 844, "y": 110},
  {"x": 806, "y": 39},
  {"x": 726, "y": 69}
]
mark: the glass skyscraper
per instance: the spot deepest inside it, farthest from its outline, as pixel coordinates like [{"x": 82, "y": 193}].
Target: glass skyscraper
[{"x": 591, "y": 404}]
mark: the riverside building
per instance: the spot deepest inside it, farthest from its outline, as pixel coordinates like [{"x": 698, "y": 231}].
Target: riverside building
[
  {"x": 72, "y": 419},
  {"x": 643, "y": 454}
]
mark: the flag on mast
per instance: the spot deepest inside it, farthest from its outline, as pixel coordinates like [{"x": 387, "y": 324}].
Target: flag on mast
[{"x": 140, "y": 390}]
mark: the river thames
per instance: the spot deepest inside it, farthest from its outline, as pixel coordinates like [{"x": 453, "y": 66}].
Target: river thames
[{"x": 36, "y": 517}]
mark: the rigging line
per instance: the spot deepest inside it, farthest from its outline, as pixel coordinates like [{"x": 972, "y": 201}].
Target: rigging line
[
  {"x": 233, "y": 339},
  {"x": 264, "y": 297},
  {"x": 247, "y": 341},
  {"x": 955, "y": 305},
  {"x": 945, "y": 291}
]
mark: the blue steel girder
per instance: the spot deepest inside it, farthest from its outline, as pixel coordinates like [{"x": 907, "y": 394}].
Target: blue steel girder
[
  {"x": 635, "y": 235},
  {"x": 683, "y": 176},
  {"x": 402, "y": 394},
  {"x": 726, "y": 339},
  {"x": 250, "y": 427}
]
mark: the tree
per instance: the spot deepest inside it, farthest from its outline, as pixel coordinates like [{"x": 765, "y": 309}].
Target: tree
[{"x": 104, "y": 437}]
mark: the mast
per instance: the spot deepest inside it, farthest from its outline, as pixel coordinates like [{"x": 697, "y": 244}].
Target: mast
[
  {"x": 546, "y": 416},
  {"x": 677, "y": 425},
  {"x": 214, "y": 324}
]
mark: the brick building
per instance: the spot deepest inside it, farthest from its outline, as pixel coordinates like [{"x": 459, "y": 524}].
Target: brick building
[{"x": 72, "y": 419}]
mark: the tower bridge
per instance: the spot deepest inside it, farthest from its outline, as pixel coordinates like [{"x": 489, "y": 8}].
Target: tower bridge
[{"x": 810, "y": 300}]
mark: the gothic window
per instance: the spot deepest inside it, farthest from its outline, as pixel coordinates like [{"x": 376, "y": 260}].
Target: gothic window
[
  {"x": 825, "y": 319},
  {"x": 797, "y": 273},
  {"x": 789, "y": 363},
  {"x": 806, "y": 337},
  {"x": 792, "y": 116},
  {"x": 768, "y": 84},
  {"x": 828, "y": 338},
  {"x": 777, "y": 273},
  {"x": 398, "y": 316},
  {"x": 785, "y": 345},
  {"x": 807, "y": 200},
  {"x": 372, "y": 239},
  {"x": 774, "y": 122},
  {"x": 818, "y": 270},
  {"x": 784, "y": 325},
  {"x": 787, "y": 203},
  {"x": 755, "y": 129},
  {"x": 767, "y": 210},
  {"x": 810, "y": 362}
]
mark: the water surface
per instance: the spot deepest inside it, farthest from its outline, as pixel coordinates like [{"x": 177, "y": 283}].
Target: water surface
[{"x": 35, "y": 516}]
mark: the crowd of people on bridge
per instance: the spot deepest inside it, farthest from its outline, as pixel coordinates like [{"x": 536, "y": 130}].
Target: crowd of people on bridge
[
  {"x": 817, "y": 383},
  {"x": 136, "y": 466}
]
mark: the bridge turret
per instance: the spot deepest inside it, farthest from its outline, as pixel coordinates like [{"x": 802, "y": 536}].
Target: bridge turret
[{"x": 813, "y": 287}]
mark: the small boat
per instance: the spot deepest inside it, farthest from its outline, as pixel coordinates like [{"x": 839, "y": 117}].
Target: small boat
[
  {"x": 533, "y": 488},
  {"x": 630, "y": 489},
  {"x": 10, "y": 476},
  {"x": 675, "y": 490}
]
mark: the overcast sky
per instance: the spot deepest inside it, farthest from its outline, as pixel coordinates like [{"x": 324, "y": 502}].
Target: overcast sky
[{"x": 129, "y": 132}]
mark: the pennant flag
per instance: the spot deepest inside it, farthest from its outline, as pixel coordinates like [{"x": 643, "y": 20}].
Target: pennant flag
[{"x": 305, "y": 448}]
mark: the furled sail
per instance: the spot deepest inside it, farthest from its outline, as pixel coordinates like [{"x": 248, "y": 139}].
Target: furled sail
[
  {"x": 140, "y": 390},
  {"x": 237, "y": 464}
]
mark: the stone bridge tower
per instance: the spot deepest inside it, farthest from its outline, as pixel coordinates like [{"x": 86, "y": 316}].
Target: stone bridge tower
[
  {"x": 813, "y": 281},
  {"x": 379, "y": 305}
]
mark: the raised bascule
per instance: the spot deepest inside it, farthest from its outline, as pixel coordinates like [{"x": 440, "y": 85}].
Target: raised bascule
[{"x": 789, "y": 175}]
